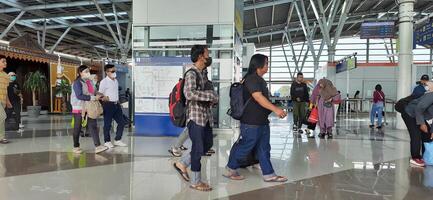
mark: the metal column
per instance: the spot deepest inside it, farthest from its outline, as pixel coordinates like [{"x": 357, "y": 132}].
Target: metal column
[
  {"x": 405, "y": 56},
  {"x": 270, "y": 69},
  {"x": 368, "y": 51}
]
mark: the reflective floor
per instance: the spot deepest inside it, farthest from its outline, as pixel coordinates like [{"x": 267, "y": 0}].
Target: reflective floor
[{"x": 359, "y": 163}]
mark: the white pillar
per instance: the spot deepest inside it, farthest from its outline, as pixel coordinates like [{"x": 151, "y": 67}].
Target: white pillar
[{"x": 405, "y": 57}]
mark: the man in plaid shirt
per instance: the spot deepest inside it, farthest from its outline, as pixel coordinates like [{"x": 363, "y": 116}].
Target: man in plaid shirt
[{"x": 200, "y": 98}]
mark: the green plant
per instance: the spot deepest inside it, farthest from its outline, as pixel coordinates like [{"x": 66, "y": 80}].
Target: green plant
[
  {"x": 64, "y": 88},
  {"x": 35, "y": 81}
]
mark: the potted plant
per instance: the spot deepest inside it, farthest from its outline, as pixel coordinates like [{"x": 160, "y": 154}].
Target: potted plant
[
  {"x": 64, "y": 88},
  {"x": 35, "y": 82}
]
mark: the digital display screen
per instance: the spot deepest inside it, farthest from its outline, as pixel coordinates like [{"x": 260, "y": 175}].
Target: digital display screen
[
  {"x": 346, "y": 65},
  {"x": 371, "y": 30},
  {"x": 424, "y": 35}
]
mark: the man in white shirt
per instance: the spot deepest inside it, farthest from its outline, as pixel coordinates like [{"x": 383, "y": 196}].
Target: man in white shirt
[{"x": 112, "y": 109}]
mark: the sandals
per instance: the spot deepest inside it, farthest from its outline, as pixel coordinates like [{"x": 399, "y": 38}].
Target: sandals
[
  {"x": 234, "y": 176},
  {"x": 174, "y": 153},
  {"x": 201, "y": 187},
  {"x": 4, "y": 141},
  {"x": 184, "y": 175},
  {"x": 277, "y": 179}
]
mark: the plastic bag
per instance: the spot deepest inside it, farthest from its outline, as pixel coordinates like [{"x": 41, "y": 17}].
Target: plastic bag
[
  {"x": 428, "y": 154},
  {"x": 314, "y": 116}
]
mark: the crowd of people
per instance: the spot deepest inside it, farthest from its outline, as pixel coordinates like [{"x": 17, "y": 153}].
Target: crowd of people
[
  {"x": 252, "y": 148},
  {"x": 89, "y": 99}
]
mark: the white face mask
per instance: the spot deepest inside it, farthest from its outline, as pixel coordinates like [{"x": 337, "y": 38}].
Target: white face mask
[
  {"x": 113, "y": 75},
  {"x": 86, "y": 75}
]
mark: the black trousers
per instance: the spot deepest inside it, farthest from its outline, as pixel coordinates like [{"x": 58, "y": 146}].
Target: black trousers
[
  {"x": 417, "y": 138},
  {"x": 92, "y": 127}
]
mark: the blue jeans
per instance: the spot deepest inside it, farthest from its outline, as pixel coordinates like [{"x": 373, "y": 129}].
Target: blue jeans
[
  {"x": 376, "y": 109},
  {"x": 253, "y": 137},
  {"x": 113, "y": 111}
]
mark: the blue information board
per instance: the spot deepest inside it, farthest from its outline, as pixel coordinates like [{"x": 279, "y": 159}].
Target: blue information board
[
  {"x": 424, "y": 35},
  {"x": 385, "y": 29}
]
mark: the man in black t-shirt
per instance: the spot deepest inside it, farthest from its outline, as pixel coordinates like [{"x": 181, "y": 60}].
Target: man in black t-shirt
[
  {"x": 299, "y": 94},
  {"x": 15, "y": 97},
  {"x": 255, "y": 130}
]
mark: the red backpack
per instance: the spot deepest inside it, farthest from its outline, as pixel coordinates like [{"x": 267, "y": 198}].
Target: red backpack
[{"x": 177, "y": 102}]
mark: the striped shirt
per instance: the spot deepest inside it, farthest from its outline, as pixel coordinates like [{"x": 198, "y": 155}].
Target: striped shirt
[
  {"x": 4, "y": 83},
  {"x": 199, "y": 101}
]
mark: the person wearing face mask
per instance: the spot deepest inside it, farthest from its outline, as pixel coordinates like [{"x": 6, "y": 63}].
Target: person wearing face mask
[
  {"x": 109, "y": 87},
  {"x": 421, "y": 87},
  {"x": 199, "y": 117},
  {"x": 15, "y": 97},
  {"x": 82, "y": 91}
]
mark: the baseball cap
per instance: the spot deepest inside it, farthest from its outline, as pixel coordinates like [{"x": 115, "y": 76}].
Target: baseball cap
[{"x": 425, "y": 77}]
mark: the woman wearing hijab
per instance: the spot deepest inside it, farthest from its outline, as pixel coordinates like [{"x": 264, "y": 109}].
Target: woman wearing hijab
[{"x": 324, "y": 95}]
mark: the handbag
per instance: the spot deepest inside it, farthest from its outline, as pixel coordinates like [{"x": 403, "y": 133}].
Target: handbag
[
  {"x": 314, "y": 116},
  {"x": 428, "y": 154},
  {"x": 93, "y": 109}
]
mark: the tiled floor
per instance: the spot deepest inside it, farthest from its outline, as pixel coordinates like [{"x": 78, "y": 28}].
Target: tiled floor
[{"x": 359, "y": 163}]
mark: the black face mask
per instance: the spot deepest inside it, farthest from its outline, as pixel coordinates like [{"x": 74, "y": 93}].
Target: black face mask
[{"x": 208, "y": 61}]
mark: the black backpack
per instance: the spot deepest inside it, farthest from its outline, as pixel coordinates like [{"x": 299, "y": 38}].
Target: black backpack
[
  {"x": 237, "y": 103},
  {"x": 402, "y": 103},
  {"x": 177, "y": 102}
]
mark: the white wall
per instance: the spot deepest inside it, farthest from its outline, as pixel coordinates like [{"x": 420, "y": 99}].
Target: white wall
[
  {"x": 183, "y": 12},
  {"x": 364, "y": 79}
]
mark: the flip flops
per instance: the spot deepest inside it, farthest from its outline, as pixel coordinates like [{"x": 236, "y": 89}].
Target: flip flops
[{"x": 184, "y": 175}]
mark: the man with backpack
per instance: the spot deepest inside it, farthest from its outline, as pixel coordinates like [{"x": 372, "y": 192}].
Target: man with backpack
[
  {"x": 416, "y": 112},
  {"x": 199, "y": 118},
  {"x": 299, "y": 94}
]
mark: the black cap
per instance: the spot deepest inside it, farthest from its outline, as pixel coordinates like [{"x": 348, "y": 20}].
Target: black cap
[{"x": 425, "y": 77}]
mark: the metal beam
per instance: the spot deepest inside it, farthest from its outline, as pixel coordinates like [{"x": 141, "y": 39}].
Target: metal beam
[
  {"x": 377, "y": 4},
  {"x": 255, "y": 20},
  {"x": 56, "y": 5},
  {"x": 94, "y": 13},
  {"x": 267, "y": 4},
  {"x": 12, "y": 24},
  {"x": 107, "y": 23},
  {"x": 346, "y": 7},
  {"x": 44, "y": 33},
  {"x": 85, "y": 24},
  {"x": 322, "y": 21},
  {"x": 17, "y": 30},
  {"x": 287, "y": 62},
  {"x": 128, "y": 34},
  {"x": 60, "y": 39},
  {"x": 119, "y": 31}
]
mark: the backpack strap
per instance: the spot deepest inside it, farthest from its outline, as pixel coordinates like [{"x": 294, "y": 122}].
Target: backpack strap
[{"x": 197, "y": 76}]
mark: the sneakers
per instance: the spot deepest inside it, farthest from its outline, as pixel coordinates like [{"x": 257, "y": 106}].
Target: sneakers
[
  {"x": 371, "y": 126},
  {"x": 109, "y": 145},
  {"x": 295, "y": 128},
  {"x": 119, "y": 143},
  {"x": 77, "y": 150},
  {"x": 100, "y": 149},
  {"x": 417, "y": 162}
]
